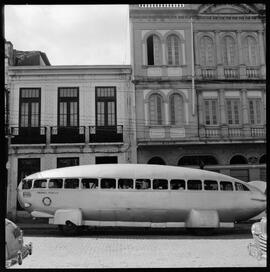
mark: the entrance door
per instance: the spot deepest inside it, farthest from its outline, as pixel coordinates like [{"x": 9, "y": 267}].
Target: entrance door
[{"x": 26, "y": 167}]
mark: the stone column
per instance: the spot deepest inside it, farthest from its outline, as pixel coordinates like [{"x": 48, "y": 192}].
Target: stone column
[
  {"x": 220, "y": 67},
  {"x": 223, "y": 121},
  {"x": 242, "y": 67},
  {"x": 197, "y": 55},
  {"x": 264, "y": 106},
  {"x": 166, "y": 113},
  {"x": 146, "y": 113},
  {"x": 245, "y": 119},
  {"x": 262, "y": 54}
]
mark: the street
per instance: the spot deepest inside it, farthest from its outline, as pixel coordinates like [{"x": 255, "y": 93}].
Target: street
[{"x": 122, "y": 248}]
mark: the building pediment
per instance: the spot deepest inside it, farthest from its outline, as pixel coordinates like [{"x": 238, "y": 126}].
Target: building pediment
[{"x": 227, "y": 9}]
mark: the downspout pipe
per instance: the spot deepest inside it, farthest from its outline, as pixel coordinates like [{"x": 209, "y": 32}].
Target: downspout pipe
[{"x": 192, "y": 68}]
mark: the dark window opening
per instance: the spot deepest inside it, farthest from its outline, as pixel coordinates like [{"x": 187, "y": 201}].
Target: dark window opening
[
  {"x": 150, "y": 50},
  {"x": 210, "y": 185},
  {"x": 71, "y": 183},
  {"x": 142, "y": 184},
  {"x": 89, "y": 183},
  {"x": 107, "y": 183},
  {"x": 66, "y": 162},
  {"x": 106, "y": 159},
  {"x": 56, "y": 183},
  {"x": 27, "y": 184},
  {"x": 160, "y": 184},
  {"x": 194, "y": 184},
  {"x": 178, "y": 184},
  {"x": 240, "y": 187},
  {"x": 40, "y": 183},
  {"x": 226, "y": 186},
  {"x": 125, "y": 183}
]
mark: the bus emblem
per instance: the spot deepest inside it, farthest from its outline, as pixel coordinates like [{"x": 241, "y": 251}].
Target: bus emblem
[{"x": 46, "y": 201}]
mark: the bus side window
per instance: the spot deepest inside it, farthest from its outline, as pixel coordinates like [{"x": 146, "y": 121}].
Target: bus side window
[
  {"x": 160, "y": 184},
  {"x": 177, "y": 184},
  {"x": 240, "y": 187},
  {"x": 27, "y": 184},
  {"x": 40, "y": 183},
  {"x": 88, "y": 183},
  {"x": 226, "y": 186},
  {"x": 210, "y": 185},
  {"x": 56, "y": 183},
  {"x": 125, "y": 183},
  {"x": 194, "y": 184},
  {"x": 142, "y": 184},
  {"x": 72, "y": 183},
  {"x": 108, "y": 183}
]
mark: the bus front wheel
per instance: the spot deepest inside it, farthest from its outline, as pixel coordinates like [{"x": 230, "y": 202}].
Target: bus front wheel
[{"x": 69, "y": 229}]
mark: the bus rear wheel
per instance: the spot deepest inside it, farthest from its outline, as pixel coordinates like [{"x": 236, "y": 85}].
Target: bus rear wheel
[{"x": 69, "y": 229}]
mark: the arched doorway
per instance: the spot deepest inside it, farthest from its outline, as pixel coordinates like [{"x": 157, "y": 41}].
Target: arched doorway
[
  {"x": 263, "y": 169},
  {"x": 239, "y": 173},
  {"x": 156, "y": 160}
]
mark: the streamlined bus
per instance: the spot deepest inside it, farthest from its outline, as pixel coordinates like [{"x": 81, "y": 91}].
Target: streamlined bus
[{"x": 138, "y": 195}]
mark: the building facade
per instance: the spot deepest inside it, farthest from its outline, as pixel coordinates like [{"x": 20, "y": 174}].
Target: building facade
[
  {"x": 199, "y": 75},
  {"x": 67, "y": 115}
]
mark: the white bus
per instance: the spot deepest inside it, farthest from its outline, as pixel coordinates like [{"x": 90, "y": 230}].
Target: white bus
[{"x": 138, "y": 195}]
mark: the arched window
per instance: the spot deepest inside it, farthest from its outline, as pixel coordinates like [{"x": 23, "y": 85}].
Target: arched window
[
  {"x": 250, "y": 51},
  {"x": 156, "y": 160},
  {"x": 206, "y": 51},
  {"x": 228, "y": 50},
  {"x": 238, "y": 159},
  {"x": 173, "y": 50},
  {"x": 153, "y": 50},
  {"x": 176, "y": 109},
  {"x": 156, "y": 109},
  {"x": 262, "y": 159}
]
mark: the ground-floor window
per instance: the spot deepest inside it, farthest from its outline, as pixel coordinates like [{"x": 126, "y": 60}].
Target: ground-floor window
[
  {"x": 263, "y": 174},
  {"x": 27, "y": 167},
  {"x": 106, "y": 159},
  {"x": 156, "y": 160},
  {"x": 65, "y": 162}
]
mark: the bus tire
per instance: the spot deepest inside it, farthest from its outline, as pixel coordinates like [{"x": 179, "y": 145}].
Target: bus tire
[{"x": 69, "y": 229}]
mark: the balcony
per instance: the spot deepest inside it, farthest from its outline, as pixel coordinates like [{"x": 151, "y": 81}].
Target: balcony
[
  {"x": 28, "y": 135},
  {"x": 68, "y": 134},
  {"x": 226, "y": 132},
  {"x": 105, "y": 134},
  {"x": 229, "y": 72}
]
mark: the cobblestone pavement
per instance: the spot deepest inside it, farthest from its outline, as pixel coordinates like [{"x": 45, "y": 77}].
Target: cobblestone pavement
[{"x": 139, "y": 250}]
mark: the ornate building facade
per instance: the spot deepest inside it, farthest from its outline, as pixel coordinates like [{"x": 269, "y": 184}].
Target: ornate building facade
[{"x": 199, "y": 75}]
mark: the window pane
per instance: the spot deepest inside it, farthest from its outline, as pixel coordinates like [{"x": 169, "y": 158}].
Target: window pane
[
  {"x": 240, "y": 187},
  {"x": 27, "y": 184},
  {"x": 108, "y": 183},
  {"x": 89, "y": 183},
  {"x": 177, "y": 184},
  {"x": 40, "y": 183},
  {"x": 24, "y": 115},
  {"x": 226, "y": 186},
  {"x": 194, "y": 184},
  {"x": 125, "y": 183},
  {"x": 160, "y": 184},
  {"x": 142, "y": 184},
  {"x": 72, "y": 183},
  {"x": 156, "y": 49},
  {"x": 56, "y": 183},
  {"x": 176, "y": 103},
  {"x": 210, "y": 185}
]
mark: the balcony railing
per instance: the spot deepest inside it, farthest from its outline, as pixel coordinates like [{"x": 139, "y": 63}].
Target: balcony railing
[
  {"x": 28, "y": 135},
  {"x": 68, "y": 134},
  {"x": 106, "y": 134},
  {"x": 226, "y": 132},
  {"x": 231, "y": 73},
  {"x": 252, "y": 72},
  {"x": 258, "y": 131},
  {"x": 208, "y": 73}
]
